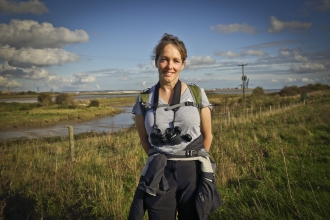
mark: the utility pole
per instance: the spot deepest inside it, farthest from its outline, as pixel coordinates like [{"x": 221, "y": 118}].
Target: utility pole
[{"x": 243, "y": 82}]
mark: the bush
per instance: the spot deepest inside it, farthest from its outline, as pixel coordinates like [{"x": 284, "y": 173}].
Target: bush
[
  {"x": 314, "y": 87},
  {"x": 45, "y": 98},
  {"x": 94, "y": 103},
  {"x": 258, "y": 91},
  {"x": 64, "y": 99},
  {"x": 290, "y": 91}
]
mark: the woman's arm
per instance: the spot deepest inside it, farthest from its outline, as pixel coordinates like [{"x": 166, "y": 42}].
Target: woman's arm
[
  {"x": 139, "y": 121},
  {"x": 206, "y": 127}
]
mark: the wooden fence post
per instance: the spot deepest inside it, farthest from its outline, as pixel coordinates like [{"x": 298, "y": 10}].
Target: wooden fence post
[
  {"x": 70, "y": 128},
  {"x": 228, "y": 114}
]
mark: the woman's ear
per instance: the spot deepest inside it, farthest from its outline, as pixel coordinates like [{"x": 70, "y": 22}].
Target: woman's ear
[
  {"x": 183, "y": 64},
  {"x": 156, "y": 63}
]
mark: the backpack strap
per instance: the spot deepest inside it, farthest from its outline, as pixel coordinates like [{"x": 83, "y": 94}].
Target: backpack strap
[
  {"x": 194, "y": 90},
  {"x": 197, "y": 96},
  {"x": 144, "y": 101}
]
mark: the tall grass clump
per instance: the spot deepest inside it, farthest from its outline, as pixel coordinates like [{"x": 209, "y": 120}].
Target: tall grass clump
[
  {"x": 275, "y": 167},
  {"x": 38, "y": 180}
]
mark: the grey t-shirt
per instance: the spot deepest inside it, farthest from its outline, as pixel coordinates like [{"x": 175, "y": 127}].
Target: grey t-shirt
[{"x": 187, "y": 118}]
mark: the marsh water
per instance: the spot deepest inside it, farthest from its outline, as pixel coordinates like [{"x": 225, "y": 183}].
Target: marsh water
[{"x": 98, "y": 124}]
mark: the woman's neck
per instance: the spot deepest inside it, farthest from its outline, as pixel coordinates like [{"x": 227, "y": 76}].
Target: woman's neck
[
  {"x": 167, "y": 87},
  {"x": 166, "y": 91}
]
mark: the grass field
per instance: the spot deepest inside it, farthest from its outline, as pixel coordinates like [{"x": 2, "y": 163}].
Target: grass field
[{"x": 270, "y": 165}]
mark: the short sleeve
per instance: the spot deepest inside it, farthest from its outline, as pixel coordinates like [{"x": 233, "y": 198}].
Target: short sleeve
[
  {"x": 137, "y": 108},
  {"x": 205, "y": 100}
]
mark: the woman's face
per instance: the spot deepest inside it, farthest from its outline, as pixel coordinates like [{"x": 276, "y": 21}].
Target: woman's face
[{"x": 169, "y": 64}]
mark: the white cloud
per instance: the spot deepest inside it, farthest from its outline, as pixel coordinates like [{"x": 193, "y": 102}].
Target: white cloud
[
  {"x": 79, "y": 81},
  {"x": 294, "y": 53},
  {"x": 278, "y": 26},
  {"x": 199, "y": 61},
  {"x": 28, "y": 57},
  {"x": 306, "y": 80},
  {"x": 259, "y": 53},
  {"x": 5, "y": 83},
  {"x": 231, "y": 54},
  {"x": 300, "y": 58},
  {"x": 58, "y": 81},
  {"x": 98, "y": 87},
  {"x": 290, "y": 80},
  {"x": 274, "y": 81},
  {"x": 32, "y": 6},
  {"x": 232, "y": 28},
  {"x": 285, "y": 52},
  {"x": 28, "y": 33},
  {"x": 28, "y": 73},
  {"x": 146, "y": 68},
  {"x": 309, "y": 67},
  {"x": 83, "y": 78}
]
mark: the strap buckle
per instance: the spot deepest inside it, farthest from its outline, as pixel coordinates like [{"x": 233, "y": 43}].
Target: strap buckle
[
  {"x": 189, "y": 103},
  {"x": 191, "y": 153}
]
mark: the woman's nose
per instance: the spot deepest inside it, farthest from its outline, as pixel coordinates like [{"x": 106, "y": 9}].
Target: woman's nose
[{"x": 170, "y": 64}]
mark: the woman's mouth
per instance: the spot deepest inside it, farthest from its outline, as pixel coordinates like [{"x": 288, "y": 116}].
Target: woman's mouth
[{"x": 168, "y": 73}]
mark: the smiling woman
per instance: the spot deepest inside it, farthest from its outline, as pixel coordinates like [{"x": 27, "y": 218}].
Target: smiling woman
[{"x": 171, "y": 126}]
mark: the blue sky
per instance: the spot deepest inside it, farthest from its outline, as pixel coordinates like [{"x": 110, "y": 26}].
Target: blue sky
[{"x": 75, "y": 45}]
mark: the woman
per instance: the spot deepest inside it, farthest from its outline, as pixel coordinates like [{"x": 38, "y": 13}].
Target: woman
[{"x": 170, "y": 126}]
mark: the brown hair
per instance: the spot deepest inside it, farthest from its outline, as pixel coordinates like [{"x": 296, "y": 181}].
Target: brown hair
[{"x": 170, "y": 39}]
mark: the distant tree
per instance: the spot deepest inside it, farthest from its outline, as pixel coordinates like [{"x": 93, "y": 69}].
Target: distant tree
[
  {"x": 64, "y": 99},
  {"x": 258, "y": 91},
  {"x": 94, "y": 103},
  {"x": 45, "y": 98},
  {"x": 31, "y": 92},
  {"x": 289, "y": 91}
]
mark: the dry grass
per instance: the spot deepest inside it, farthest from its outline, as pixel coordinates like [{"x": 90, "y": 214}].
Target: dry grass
[{"x": 272, "y": 165}]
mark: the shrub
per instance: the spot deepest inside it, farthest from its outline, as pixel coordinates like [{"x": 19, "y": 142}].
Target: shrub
[
  {"x": 64, "y": 99},
  {"x": 290, "y": 91},
  {"x": 258, "y": 91},
  {"x": 45, "y": 98},
  {"x": 94, "y": 103}
]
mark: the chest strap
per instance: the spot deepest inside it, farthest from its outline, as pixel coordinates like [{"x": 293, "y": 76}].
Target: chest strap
[
  {"x": 170, "y": 107},
  {"x": 183, "y": 153}
]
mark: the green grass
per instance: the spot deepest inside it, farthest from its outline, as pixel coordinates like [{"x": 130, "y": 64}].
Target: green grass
[
  {"x": 281, "y": 166},
  {"x": 269, "y": 166}
]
